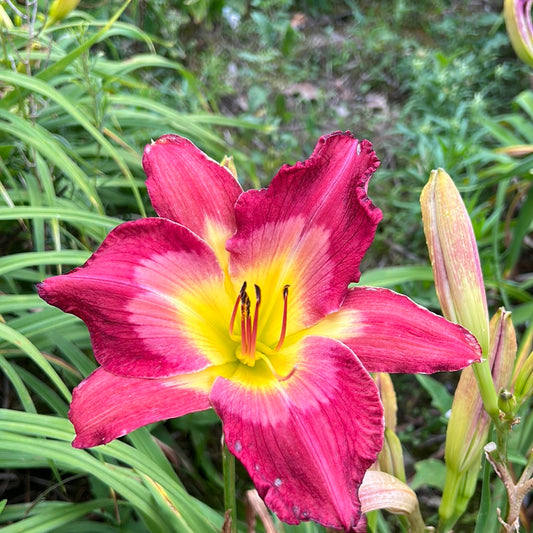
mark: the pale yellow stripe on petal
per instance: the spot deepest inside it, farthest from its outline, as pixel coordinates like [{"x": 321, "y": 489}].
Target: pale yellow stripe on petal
[
  {"x": 205, "y": 312},
  {"x": 340, "y": 325},
  {"x": 216, "y": 236},
  {"x": 202, "y": 381}
]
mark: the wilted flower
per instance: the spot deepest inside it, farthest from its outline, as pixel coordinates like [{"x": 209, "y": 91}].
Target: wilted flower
[
  {"x": 240, "y": 301},
  {"x": 383, "y": 491}
]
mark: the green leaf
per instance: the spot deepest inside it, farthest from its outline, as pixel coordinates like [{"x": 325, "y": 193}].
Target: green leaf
[
  {"x": 430, "y": 472},
  {"x": 28, "y": 259},
  {"x": 21, "y": 342},
  {"x": 522, "y": 226},
  {"x": 392, "y": 276},
  {"x": 44, "y": 142},
  {"x": 46, "y": 517},
  {"x": 440, "y": 397},
  {"x": 37, "y": 86},
  {"x": 30, "y": 433},
  {"x": 18, "y": 384},
  {"x": 485, "y": 522},
  {"x": 70, "y": 215}
]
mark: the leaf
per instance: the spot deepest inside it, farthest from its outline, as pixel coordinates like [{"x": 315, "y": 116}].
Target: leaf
[
  {"x": 21, "y": 342},
  {"x": 30, "y": 259},
  {"x": 35, "y": 85},
  {"x": 392, "y": 276},
  {"x": 44, "y": 142},
  {"x": 46, "y": 517},
  {"x": 440, "y": 397},
  {"x": 430, "y": 472}
]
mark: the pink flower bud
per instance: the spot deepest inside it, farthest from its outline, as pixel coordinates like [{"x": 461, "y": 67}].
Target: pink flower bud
[{"x": 454, "y": 256}]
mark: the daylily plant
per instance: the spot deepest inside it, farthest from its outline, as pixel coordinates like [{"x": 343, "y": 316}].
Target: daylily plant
[{"x": 240, "y": 302}]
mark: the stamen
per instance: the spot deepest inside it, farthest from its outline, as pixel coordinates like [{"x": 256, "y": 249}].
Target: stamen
[
  {"x": 284, "y": 319},
  {"x": 235, "y": 308}
]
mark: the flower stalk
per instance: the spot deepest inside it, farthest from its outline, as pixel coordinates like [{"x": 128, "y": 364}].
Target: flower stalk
[{"x": 228, "y": 473}]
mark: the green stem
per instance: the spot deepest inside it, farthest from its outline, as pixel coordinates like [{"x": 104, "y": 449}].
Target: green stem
[
  {"x": 228, "y": 472},
  {"x": 487, "y": 390}
]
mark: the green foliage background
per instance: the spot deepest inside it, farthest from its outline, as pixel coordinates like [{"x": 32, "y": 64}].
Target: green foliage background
[{"x": 430, "y": 83}]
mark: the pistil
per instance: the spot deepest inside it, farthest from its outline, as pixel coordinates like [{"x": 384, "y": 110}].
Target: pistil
[
  {"x": 253, "y": 338},
  {"x": 246, "y": 325}
]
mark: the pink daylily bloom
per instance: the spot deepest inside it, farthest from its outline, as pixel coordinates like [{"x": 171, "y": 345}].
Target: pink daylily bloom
[{"x": 239, "y": 301}]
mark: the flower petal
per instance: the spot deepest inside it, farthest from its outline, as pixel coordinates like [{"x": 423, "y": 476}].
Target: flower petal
[
  {"x": 390, "y": 333},
  {"x": 152, "y": 297},
  {"x": 309, "y": 229},
  {"x": 308, "y": 439},
  {"x": 186, "y": 186},
  {"x": 105, "y": 406}
]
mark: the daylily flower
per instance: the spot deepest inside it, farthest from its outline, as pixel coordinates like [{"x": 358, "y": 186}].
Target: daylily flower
[{"x": 239, "y": 301}]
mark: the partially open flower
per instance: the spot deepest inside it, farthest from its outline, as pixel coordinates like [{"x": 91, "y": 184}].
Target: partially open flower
[
  {"x": 517, "y": 14},
  {"x": 239, "y": 301}
]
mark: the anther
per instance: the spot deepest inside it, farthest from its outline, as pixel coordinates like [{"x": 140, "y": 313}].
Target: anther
[{"x": 235, "y": 308}]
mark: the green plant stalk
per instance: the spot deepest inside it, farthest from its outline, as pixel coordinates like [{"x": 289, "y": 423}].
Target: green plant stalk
[
  {"x": 488, "y": 392},
  {"x": 490, "y": 403},
  {"x": 228, "y": 472},
  {"x": 458, "y": 490}
]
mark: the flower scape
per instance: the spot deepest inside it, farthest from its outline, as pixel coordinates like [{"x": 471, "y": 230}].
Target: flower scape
[{"x": 241, "y": 302}]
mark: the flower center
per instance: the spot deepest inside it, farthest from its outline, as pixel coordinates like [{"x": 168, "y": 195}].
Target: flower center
[{"x": 250, "y": 349}]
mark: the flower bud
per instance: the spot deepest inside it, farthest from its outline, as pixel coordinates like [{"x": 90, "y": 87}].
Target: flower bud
[
  {"x": 454, "y": 256},
  {"x": 523, "y": 384},
  {"x": 390, "y": 458},
  {"x": 60, "y": 9},
  {"x": 519, "y": 28},
  {"x": 507, "y": 404},
  {"x": 228, "y": 163},
  {"x": 502, "y": 353},
  {"x": 5, "y": 21},
  {"x": 388, "y": 398}
]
